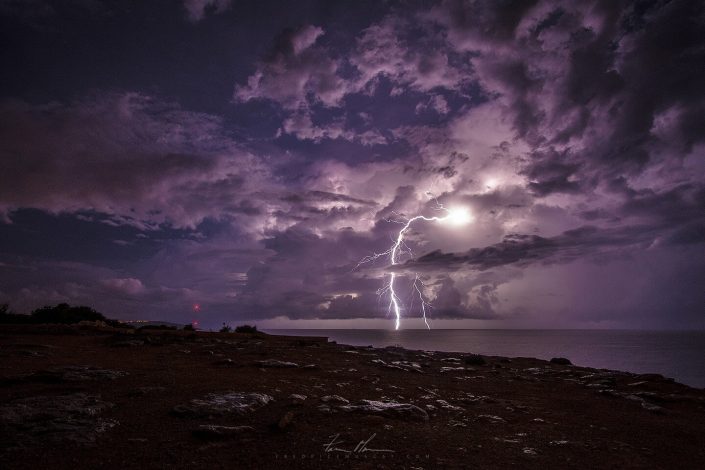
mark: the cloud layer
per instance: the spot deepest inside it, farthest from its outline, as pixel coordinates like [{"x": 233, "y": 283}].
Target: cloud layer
[{"x": 573, "y": 132}]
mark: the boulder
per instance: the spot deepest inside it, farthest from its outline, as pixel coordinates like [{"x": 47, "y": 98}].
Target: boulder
[
  {"x": 297, "y": 399},
  {"x": 335, "y": 400},
  {"x": 76, "y": 374}
]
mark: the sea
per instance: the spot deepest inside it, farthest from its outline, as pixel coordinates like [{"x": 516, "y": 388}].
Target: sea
[{"x": 676, "y": 354}]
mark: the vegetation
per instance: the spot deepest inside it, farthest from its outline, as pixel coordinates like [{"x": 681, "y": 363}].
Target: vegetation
[
  {"x": 62, "y": 313},
  {"x": 475, "y": 360},
  {"x": 156, "y": 327},
  {"x": 7, "y": 316},
  {"x": 246, "y": 329},
  {"x": 239, "y": 329},
  {"x": 66, "y": 314}
]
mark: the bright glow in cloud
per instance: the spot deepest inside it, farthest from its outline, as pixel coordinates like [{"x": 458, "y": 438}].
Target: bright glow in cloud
[
  {"x": 491, "y": 183},
  {"x": 457, "y": 216}
]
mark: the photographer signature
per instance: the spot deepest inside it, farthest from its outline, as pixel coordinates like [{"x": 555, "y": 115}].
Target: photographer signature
[{"x": 360, "y": 448}]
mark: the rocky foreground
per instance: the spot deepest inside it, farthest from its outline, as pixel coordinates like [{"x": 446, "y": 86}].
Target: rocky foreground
[{"x": 86, "y": 397}]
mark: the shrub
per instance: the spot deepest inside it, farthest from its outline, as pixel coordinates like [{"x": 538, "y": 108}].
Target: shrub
[
  {"x": 65, "y": 314},
  {"x": 62, "y": 313},
  {"x": 156, "y": 327},
  {"x": 475, "y": 360},
  {"x": 225, "y": 329},
  {"x": 561, "y": 361},
  {"x": 7, "y": 316},
  {"x": 246, "y": 329},
  {"x": 118, "y": 324}
]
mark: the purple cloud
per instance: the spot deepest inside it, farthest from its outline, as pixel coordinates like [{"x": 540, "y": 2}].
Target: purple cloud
[{"x": 573, "y": 133}]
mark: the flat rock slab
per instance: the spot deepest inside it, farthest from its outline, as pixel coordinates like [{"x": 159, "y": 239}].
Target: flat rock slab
[
  {"x": 276, "y": 364},
  {"x": 76, "y": 374},
  {"x": 75, "y": 417},
  {"x": 25, "y": 350},
  {"x": 146, "y": 390},
  {"x": 389, "y": 409},
  {"x": 215, "y": 404},
  {"x": 399, "y": 365},
  {"x": 213, "y": 431},
  {"x": 128, "y": 343},
  {"x": 65, "y": 374}
]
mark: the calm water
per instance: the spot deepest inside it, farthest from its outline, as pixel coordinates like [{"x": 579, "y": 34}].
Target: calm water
[{"x": 677, "y": 354}]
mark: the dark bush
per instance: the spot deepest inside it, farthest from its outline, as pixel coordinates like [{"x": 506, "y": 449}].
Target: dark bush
[
  {"x": 225, "y": 329},
  {"x": 561, "y": 361},
  {"x": 156, "y": 327},
  {"x": 15, "y": 318},
  {"x": 246, "y": 329},
  {"x": 189, "y": 328},
  {"x": 62, "y": 313},
  {"x": 118, "y": 324},
  {"x": 7, "y": 316},
  {"x": 65, "y": 314},
  {"x": 475, "y": 360}
]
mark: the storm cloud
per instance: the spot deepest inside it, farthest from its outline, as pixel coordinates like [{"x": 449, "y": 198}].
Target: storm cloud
[{"x": 247, "y": 162}]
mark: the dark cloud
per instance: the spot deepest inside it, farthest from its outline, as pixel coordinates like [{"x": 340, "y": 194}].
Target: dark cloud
[
  {"x": 548, "y": 174},
  {"x": 198, "y": 9},
  {"x": 293, "y": 69},
  {"x": 127, "y": 155},
  {"x": 522, "y": 249},
  {"x": 587, "y": 93}
]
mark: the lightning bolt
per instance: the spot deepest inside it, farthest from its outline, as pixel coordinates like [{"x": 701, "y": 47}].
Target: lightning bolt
[
  {"x": 397, "y": 249},
  {"x": 424, "y": 304}
]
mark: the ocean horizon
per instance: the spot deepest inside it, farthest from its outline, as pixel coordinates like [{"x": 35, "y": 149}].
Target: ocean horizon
[{"x": 676, "y": 354}]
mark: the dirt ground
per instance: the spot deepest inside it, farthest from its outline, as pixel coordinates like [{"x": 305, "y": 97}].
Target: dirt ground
[{"x": 87, "y": 397}]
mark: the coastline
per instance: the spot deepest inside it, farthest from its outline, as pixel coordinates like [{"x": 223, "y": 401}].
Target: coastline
[
  {"x": 83, "y": 397},
  {"x": 671, "y": 353}
]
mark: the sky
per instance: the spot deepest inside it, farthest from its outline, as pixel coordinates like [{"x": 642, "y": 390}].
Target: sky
[{"x": 234, "y": 161}]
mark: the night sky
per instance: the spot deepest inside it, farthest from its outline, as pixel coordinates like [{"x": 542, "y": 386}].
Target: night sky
[{"x": 244, "y": 156}]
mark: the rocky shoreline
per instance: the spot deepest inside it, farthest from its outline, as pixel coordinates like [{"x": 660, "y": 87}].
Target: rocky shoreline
[{"x": 90, "y": 397}]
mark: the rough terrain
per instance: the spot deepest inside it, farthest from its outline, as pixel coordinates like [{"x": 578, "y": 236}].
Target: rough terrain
[{"x": 83, "y": 397}]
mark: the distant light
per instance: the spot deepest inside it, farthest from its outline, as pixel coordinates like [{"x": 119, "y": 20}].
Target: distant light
[
  {"x": 354, "y": 295},
  {"x": 196, "y": 308}
]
